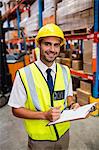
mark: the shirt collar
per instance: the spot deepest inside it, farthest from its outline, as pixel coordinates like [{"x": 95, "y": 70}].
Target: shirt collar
[{"x": 43, "y": 67}]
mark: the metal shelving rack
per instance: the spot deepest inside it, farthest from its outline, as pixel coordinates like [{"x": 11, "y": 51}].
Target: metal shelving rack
[
  {"x": 5, "y": 76},
  {"x": 95, "y": 36}
]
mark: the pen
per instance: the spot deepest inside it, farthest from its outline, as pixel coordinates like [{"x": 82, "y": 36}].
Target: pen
[
  {"x": 51, "y": 107},
  {"x": 66, "y": 108}
]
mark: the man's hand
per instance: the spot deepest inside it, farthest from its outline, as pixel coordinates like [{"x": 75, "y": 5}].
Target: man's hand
[
  {"x": 53, "y": 114},
  {"x": 75, "y": 106}
]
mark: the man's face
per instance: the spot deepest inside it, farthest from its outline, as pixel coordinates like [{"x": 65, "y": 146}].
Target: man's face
[{"x": 49, "y": 49}]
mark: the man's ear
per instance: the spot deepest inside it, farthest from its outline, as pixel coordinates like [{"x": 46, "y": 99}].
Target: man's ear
[{"x": 39, "y": 45}]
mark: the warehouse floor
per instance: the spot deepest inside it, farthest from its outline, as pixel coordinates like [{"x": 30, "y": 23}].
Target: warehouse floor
[{"x": 84, "y": 134}]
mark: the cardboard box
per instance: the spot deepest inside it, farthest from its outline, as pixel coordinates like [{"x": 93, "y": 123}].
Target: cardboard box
[
  {"x": 74, "y": 20},
  {"x": 50, "y": 3},
  {"x": 85, "y": 86},
  {"x": 50, "y": 19},
  {"x": 87, "y": 51},
  {"x": 66, "y": 61},
  {"x": 77, "y": 64},
  {"x": 87, "y": 68},
  {"x": 83, "y": 97}
]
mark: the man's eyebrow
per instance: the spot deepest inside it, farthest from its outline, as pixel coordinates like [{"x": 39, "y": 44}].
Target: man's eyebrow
[{"x": 51, "y": 42}]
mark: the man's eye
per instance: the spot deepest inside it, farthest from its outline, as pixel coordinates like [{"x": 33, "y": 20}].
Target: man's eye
[
  {"x": 57, "y": 45},
  {"x": 47, "y": 44}
]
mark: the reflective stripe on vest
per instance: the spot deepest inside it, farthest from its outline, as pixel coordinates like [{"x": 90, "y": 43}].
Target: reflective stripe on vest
[
  {"x": 66, "y": 81},
  {"x": 32, "y": 89}
]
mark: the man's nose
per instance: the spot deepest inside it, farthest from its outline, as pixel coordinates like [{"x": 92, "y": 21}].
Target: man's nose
[{"x": 52, "y": 47}]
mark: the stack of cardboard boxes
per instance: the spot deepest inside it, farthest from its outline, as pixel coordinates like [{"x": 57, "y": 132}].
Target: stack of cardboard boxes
[
  {"x": 24, "y": 18},
  {"x": 49, "y": 13},
  {"x": 75, "y": 14},
  {"x": 64, "y": 61},
  {"x": 87, "y": 56},
  {"x": 10, "y": 35},
  {"x": 84, "y": 93},
  {"x": 32, "y": 25},
  {"x": 77, "y": 64}
]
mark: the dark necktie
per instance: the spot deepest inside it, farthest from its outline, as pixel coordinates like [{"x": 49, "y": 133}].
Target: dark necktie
[{"x": 49, "y": 80}]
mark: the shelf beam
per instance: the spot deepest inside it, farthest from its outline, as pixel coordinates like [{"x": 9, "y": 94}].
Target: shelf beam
[
  {"x": 81, "y": 74},
  {"x": 94, "y": 36}
]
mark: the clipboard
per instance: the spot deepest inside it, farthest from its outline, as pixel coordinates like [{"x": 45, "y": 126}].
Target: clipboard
[{"x": 70, "y": 115}]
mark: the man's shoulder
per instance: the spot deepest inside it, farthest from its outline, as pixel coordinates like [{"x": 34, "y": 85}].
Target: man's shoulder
[
  {"x": 26, "y": 67},
  {"x": 65, "y": 70},
  {"x": 64, "y": 66}
]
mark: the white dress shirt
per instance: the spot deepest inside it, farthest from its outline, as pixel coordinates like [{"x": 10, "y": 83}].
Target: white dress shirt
[{"x": 18, "y": 95}]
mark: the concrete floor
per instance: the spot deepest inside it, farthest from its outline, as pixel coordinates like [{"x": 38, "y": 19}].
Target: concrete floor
[{"x": 84, "y": 134}]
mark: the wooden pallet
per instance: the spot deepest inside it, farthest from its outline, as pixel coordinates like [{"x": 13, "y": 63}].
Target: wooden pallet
[{"x": 78, "y": 31}]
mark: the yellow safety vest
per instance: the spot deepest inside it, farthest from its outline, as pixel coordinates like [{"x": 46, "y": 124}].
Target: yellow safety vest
[{"x": 40, "y": 99}]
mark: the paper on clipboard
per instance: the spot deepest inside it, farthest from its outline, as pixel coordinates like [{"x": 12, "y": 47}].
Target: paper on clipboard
[{"x": 79, "y": 113}]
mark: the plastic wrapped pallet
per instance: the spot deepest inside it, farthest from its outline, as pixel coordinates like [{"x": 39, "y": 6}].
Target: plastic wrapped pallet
[
  {"x": 73, "y": 6},
  {"x": 6, "y": 1},
  {"x": 49, "y": 16},
  {"x": 49, "y": 13},
  {"x": 77, "y": 14},
  {"x": 23, "y": 22},
  {"x": 50, "y": 3},
  {"x": 32, "y": 24},
  {"x": 34, "y": 8},
  {"x": 75, "y": 21},
  {"x": 11, "y": 35},
  {"x": 2, "y": 10},
  {"x": 24, "y": 15}
]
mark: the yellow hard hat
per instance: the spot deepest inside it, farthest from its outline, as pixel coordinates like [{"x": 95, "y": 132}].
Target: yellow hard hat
[{"x": 50, "y": 30}]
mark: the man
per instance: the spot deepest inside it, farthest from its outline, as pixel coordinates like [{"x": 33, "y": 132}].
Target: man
[{"x": 41, "y": 91}]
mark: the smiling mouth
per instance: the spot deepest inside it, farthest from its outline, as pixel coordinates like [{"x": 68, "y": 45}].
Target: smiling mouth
[{"x": 51, "y": 53}]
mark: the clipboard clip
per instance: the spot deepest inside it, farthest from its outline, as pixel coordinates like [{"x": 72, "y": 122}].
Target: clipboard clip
[{"x": 93, "y": 108}]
